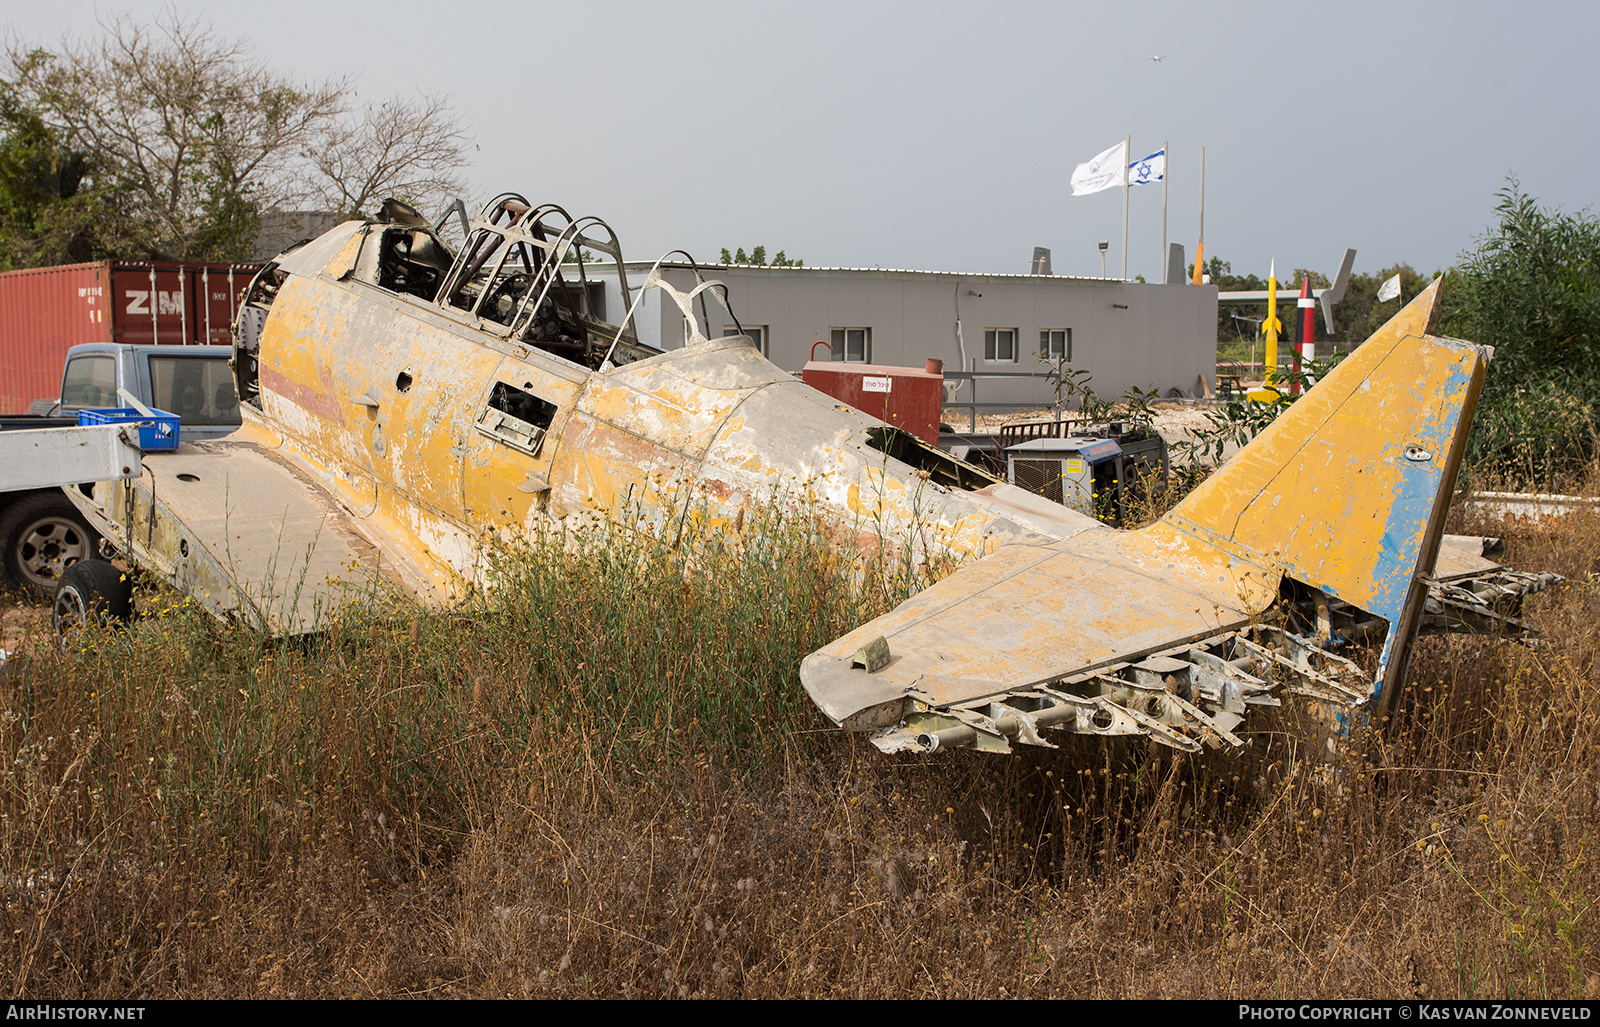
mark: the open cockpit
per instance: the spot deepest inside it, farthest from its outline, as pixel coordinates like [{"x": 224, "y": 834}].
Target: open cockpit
[{"x": 523, "y": 274}]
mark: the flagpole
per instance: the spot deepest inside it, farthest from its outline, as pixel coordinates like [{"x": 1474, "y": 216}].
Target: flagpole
[
  {"x": 1127, "y": 143},
  {"x": 1202, "y": 202},
  {"x": 1165, "y": 167}
]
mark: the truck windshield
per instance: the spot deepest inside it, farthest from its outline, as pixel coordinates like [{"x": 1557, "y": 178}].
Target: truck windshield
[
  {"x": 198, "y": 389},
  {"x": 91, "y": 382}
]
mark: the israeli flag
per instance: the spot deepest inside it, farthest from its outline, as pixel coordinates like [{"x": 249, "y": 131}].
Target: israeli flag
[{"x": 1148, "y": 170}]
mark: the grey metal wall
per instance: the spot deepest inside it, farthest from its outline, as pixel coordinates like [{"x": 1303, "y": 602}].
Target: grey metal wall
[{"x": 1124, "y": 334}]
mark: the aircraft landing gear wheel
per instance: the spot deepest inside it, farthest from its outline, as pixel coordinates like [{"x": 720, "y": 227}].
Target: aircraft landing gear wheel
[{"x": 91, "y": 592}]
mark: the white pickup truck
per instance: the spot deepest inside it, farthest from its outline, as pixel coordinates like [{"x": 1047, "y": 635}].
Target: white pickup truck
[{"x": 41, "y": 532}]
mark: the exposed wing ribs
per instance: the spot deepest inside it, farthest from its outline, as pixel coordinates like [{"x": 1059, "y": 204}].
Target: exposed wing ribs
[
  {"x": 1193, "y": 696},
  {"x": 1188, "y": 697}
]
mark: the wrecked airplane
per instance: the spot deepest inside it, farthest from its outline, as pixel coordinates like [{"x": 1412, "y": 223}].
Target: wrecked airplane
[
  {"x": 1326, "y": 529},
  {"x": 405, "y": 404}
]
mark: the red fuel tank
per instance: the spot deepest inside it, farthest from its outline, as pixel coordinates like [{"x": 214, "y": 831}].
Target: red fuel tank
[{"x": 908, "y": 398}]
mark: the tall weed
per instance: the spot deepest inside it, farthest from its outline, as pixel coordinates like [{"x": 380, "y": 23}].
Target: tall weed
[{"x": 603, "y": 779}]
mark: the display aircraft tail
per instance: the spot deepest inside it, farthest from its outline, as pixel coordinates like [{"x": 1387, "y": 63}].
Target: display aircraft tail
[
  {"x": 1347, "y": 490},
  {"x": 1324, "y": 529}
]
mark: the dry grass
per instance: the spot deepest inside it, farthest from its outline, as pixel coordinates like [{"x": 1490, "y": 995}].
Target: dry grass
[{"x": 608, "y": 783}]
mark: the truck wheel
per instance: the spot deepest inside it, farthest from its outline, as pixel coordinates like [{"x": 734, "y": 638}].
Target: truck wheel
[
  {"x": 91, "y": 592},
  {"x": 43, "y": 535}
]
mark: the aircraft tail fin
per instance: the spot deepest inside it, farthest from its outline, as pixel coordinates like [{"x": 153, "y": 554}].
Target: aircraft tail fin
[{"x": 1347, "y": 491}]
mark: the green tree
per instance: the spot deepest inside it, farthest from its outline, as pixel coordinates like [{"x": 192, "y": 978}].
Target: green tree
[
  {"x": 1531, "y": 289},
  {"x": 1360, "y": 314},
  {"x": 46, "y": 217},
  {"x": 1239, "y": 324},
  {"x": 1355, "y": 317},
  {"x": 758, "y": 258},
  {"x": 1221, "y": 273}
]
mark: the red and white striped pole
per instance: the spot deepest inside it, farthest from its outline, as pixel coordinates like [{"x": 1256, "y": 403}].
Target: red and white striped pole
[{"x": 1306, "y": 345}]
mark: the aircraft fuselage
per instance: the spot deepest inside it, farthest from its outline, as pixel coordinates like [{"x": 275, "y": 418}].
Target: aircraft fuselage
[{"x": 445, "y": 430}]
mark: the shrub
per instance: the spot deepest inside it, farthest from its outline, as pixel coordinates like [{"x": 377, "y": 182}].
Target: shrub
[{"x": 1531, "y": 289}]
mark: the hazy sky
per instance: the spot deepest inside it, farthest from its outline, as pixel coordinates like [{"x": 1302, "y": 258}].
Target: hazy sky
[{"x": 941, "y": 135}]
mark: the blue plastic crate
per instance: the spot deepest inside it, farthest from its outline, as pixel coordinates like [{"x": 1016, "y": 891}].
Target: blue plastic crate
[{"x": 155, "y": 433}]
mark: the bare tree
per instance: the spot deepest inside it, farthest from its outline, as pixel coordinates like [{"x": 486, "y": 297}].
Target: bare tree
[
  {"x": 189, "y": 135},
  {"x": 187, "y": 139},
  {"x": 410, "y": 148}
]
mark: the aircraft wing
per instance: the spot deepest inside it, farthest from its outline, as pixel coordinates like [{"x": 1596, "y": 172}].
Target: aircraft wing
[
  {"x": 1324, "y": 531},
  {"x": 1014, "y": 636},
  {"x": 249, "y": 534}
]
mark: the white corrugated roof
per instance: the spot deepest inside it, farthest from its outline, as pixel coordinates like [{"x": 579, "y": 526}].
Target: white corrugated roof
[{"x": 645, "y": 265}]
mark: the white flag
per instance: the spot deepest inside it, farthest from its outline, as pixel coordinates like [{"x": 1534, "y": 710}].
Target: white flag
[
  {"x": 1389, "y": 290},
  {"x": 1103, "y": 172},
  {"x": 1148, "y": 170}
]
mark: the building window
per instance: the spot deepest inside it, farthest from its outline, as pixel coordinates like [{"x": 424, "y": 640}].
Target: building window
[
  {"x": 757, "y": 333},
  {"x": 853, "y": 345},
  {"x": 1000, "y": 345},
  {"x": 1055, "y": 344}
]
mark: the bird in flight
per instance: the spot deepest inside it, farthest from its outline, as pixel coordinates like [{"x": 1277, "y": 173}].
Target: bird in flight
[{"x": 1158, "y": 60}]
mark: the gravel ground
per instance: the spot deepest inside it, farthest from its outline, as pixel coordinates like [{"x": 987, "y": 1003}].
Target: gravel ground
[{"x": 22, "y": 620}]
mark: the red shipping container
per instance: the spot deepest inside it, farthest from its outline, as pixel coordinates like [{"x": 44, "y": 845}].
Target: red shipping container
[
  {"x": 45, "y": 311},
  {"x": 909, "y": 398}
]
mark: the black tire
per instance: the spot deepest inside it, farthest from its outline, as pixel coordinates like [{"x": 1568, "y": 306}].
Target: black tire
[
  {"x": 43, "y": 535},
  {"x": 91, "y": 592}
]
